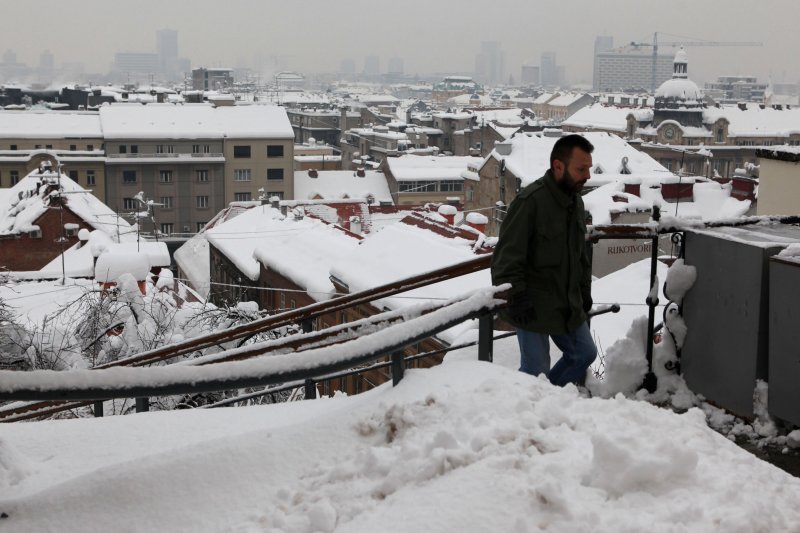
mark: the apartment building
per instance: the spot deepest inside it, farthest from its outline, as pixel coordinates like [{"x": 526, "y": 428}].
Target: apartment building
[{"x": 75, "y": 140}]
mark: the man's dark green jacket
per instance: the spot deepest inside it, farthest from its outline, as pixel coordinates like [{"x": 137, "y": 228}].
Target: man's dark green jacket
[{"x": 541, "y": 251}]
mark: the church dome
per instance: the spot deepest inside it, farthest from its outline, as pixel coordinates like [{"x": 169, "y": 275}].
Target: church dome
[{"x": 679, "y": 91}]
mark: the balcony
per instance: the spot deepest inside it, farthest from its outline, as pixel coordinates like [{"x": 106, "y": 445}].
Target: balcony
[{"x": 117, "y": 159}]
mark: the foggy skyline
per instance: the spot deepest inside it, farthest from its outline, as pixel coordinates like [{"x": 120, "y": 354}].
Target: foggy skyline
[{"x": 314, "y": 36}]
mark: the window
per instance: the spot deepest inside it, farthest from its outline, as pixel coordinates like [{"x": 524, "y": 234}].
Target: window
[
  {"x": 89, "y": 147},
  {"x": 202, "y": 202},
  {"x": 242, "y": 196},
  {"x": 123, "y": 149},
  {"x": 202, "y": 175},
  {"x": 195, "y": 148},
  {"x": 170, "y": 148},
  {"x": 72, "y": 147},
  {"x": 241, "y": 174},
  {"x": 279, "y": 194},
  {"x": 129, "y": 203},
  {"x": 14, "y": 177},
  {"x": 200, "y": 226},
  {"x": 720, "y": 133},
  {"x": 134, "y": 149},
  {"x": 451, "y": 186},
  {"x": 165, "y": 176},
  {"x": 128, "y": 176},
  {"x": 241, "y": 151},
  {"x": 159, "y": 148},
  {"x": 417, "y": 186},
  {"x": 167, "y": 228},
  {"x": 90, "y": 177},
  {"x": 275, "y": 150},
  {"x": 49, "y": 146},
  {"x": 13, "y": 147},
  {"x": 73, "y": 175},
  {"x": 37, "y": 147},
  {"x": 166, "y": 202},
  {"x": 206, "y": 148},
  {"x": 274, "y": 173}
]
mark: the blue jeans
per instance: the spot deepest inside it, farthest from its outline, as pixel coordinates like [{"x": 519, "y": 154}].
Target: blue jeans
[{"x": 578, "y": 353}]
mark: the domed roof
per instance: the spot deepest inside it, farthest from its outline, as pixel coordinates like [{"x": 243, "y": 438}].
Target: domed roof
[
  {"x": 679, "y": 91},
  {"x": 682, "y": 89}
]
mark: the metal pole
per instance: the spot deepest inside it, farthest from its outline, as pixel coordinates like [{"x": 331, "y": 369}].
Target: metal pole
[
  {"x": 98, "y": 409},
  {"x": 398, "y": 368},
  {"x": 650, "y": 381},
  {"x": 310, "y": 389},
  {"x": 142, "y": 405},
  {"x": 485, "y": 342}
]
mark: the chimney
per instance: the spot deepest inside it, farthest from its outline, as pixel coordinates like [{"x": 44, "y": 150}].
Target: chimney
[
  {"x": 742, "y": 106},
  {"x": 360, "y": 172},
  {"x": 355, "y": 224},
  {"x": 312, "y": 173},
  {"x": 678, "y": 191},
  {"x": 448, "y": 212},
  {"x": 477, "y": 221},
  {"x": 275, "y": 202}
]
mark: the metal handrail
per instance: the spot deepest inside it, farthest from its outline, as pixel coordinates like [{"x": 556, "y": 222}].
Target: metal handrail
[{"x": 88, "y": 385}]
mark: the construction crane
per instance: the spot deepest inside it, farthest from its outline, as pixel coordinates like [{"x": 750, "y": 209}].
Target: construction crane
[{"x": 655, "y": 46}]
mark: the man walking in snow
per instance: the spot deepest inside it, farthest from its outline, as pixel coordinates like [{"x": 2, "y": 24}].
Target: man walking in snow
[{"x": 541, "y": 252}]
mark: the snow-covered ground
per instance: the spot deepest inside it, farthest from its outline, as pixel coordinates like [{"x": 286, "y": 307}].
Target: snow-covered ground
[{"x": 465, "y": 446}]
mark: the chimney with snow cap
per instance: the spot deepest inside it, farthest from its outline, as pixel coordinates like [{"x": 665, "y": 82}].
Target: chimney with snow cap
[
  {"x": 477, "y": 221},
  {"x": 360, "y": 172},
  {"x": 355, "y": 224},
  {"x": 275, "y": 202},
  {"x": 448, "y": 212}
]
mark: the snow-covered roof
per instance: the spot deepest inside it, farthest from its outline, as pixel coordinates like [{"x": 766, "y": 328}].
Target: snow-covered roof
[
  {"x": 49, "y": 125},
  {"x": 403, "y": 250},
  {"x": 609, "y": 118},
  {"x": 194, "y": 121},
  {"x": 296, "y": 248},
  {"x": 754, "y": 121},
  {"x": 29, "y": 199},
  {"x": 415, "y": 167},
  {"x": 339, "y": 184},
  {"x": 565, "y": 100},
  {"x": 530, "y": 158},
  {"x": 682, "y": 89}
]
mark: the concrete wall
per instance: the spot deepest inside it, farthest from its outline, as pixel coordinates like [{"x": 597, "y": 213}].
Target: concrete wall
[
  {"x": 784, "y": 340},
  {"x": 779, "y": 188},
  {"x": 726, "y": 312}
]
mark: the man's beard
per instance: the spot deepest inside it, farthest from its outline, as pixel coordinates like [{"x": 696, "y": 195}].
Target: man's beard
[{"x": 569, "y": 184}]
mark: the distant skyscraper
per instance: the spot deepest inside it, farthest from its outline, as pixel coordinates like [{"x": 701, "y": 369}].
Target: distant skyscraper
[
  {"x": 167, "y": 47},
  {"x": 530, "y": 75},
  {"x": 46, "y": 60},
  {"x": 602, "y": 43},
  {"x": 549, "y": 69},
  {"x": 372, "y": 66},
  {"x": 490, "y": 63},
  {"x": 630, "y": 68},
  {"x": 395, "y": 66}
]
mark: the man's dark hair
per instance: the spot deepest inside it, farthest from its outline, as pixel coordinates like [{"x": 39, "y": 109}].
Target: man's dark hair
[{"x": 562, "y": 150}]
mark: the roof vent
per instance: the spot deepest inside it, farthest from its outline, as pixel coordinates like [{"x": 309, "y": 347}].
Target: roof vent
[
  {"x": 312, "y": 173},
  {"x": 360, "y": 172}
]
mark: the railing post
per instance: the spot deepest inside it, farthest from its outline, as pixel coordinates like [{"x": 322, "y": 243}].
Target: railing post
[
  {"x": 310, "y": 389},
  {"x": 142, "y": 405},
  {"x": 398, "y": 367},
  {"x": 485, "y": 341},
  {"x": 307, "y": 325},
  {"x": 98, "y": 409}
]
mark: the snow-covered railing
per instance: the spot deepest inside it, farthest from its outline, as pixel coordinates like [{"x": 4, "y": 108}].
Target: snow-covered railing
[
  {"x": 304, "y": 316},
  {"x": 110, "y": 383}
]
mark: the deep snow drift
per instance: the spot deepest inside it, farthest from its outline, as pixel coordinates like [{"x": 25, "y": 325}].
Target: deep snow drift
[{"x": 465, "y": 446}]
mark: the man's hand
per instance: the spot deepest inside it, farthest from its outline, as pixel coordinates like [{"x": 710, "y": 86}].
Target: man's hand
[{"x": 520, "y": 307}]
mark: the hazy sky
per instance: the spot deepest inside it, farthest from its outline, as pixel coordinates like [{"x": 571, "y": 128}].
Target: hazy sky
[{"x": 431, "y": 35}]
